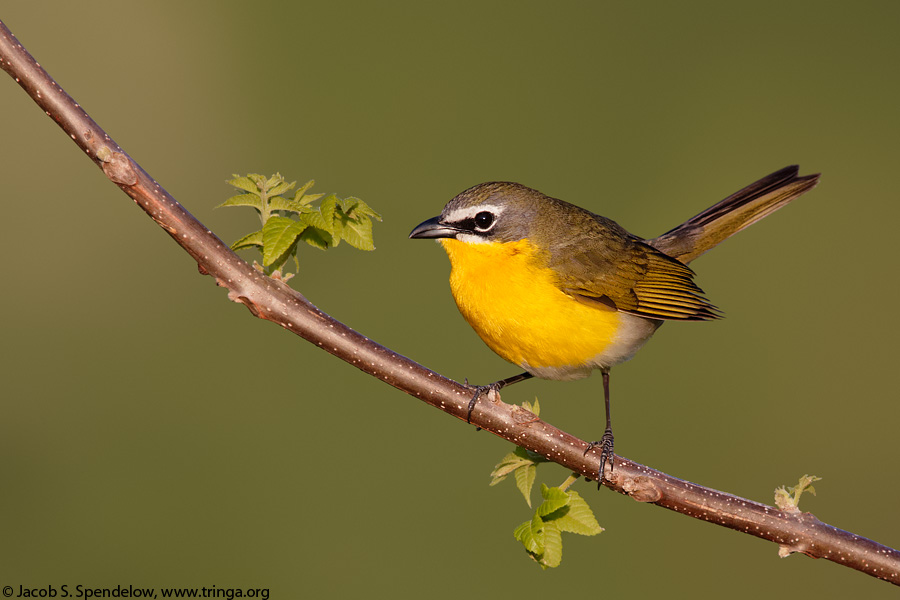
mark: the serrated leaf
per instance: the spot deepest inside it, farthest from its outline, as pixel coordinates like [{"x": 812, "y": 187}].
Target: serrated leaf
[
  {"x": 331, "y": 218},
  {"x": 579, "y": 518},
  {"x": 327, "y": 208},
  {"x": 319, "y": 221},
  {"x": 303, "y": 189},
  {"x": 507, "y": 465},
  {"x": 525, "y": 476},
  {"x": 286, "y": 204},
  {"x": 244, "y": 183},
  {"x": 542, "y": 538},
  {"x": 291, "y": 218},
  {"x": 308, "y": 198},
  {"x": 317, "y": 238},
  {"x": 356, "y": 208},
  {"x": 336, "y": 236},
  {"x": 525, "y": 534},
  {"x": 524, "y": 464},
  {"x": 554, "y": 499},
  {"x": 805, "y": 484},
  {"x": 552, "y": 555},
  {"x": 358, "y": 232},
  {"x": 280, "y": 203},
  {"x": 789, "y": 498},
  {"x": 250, "y": 240},
  {"x": 279, "y": 235},
  {"x": 537, "y": 534},
  {"x": 251, "y": 200},
  {"x": 281, "y": 188},
  {"x": 273, "y": 181},
  {"x": 348, "y": 204}
]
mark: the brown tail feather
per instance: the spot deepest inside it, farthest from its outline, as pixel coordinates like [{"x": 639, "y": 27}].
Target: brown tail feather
[{"x": 742, "y": 209}]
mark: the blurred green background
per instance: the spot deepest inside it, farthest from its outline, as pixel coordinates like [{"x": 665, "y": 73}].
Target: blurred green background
[{"x": 155, "y": 434}]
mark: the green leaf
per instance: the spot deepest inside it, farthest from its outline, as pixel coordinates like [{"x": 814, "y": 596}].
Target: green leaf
[
  {"x": 291, "y": 218},
  {"x": 327, "y": 208},
  {"x": 331, "y": 218},
  {"x": 522, "y": 467},
  {"x": 282, "y": 188},
  {"x": 525, "y": 476},
  {"x": 507, "y": 465},
  {"x": 554, "y": 499},
  {"x": 298, "y": 195},
  {"x": 320, "y": 221},
  {"x": 356, "y": 208},
  {"x": 279, "y": 236},
  {"x": 552, "y": 554},
  {"x": 579, "y": 518},
  {"x": 280, "y": 203},
  {"x": 244, "y": 183},
  {"x": 308, "y": 198},
  {"x": 525, "y": 534},
  {"x": 272, "y": 182},
  {"x": 358, "y": 232},
  {"x": 536, "y": 528},
  {"x": 542, "y": 541},
  {"x": 252, "y": 200},
  {"x": 789, "y": 499},
  {"x": 560, "y": 512},
  {"x": 250, "y": 240},
  {"x": 317, "y": 238},
  {"x": 352, "y": 220},
  {"x": 523, "y": 464},
  {"x": 286, "y": 204}
]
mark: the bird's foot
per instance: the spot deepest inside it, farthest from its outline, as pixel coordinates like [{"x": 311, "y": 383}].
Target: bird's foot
[
  {"x": 606, "y": 444},
  {"x": 493, "y": 387},
  {"x": 481, "y": 390}
]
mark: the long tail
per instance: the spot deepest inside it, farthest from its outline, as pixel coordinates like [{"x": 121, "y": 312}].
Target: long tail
[{"x": 742, "y": 209}]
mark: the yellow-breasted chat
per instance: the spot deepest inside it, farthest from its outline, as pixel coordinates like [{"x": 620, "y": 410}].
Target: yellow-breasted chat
[{"x": 560, "y": 291}]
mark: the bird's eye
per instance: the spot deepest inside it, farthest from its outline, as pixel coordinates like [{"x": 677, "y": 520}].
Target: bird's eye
[{"x": 484, "y": 220}]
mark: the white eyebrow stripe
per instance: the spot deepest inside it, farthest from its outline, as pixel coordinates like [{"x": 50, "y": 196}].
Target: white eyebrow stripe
[{"x": 469, "y": 212}]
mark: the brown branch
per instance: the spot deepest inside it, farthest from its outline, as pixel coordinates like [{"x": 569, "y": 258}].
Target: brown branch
[{"x": 274, "y": 301}]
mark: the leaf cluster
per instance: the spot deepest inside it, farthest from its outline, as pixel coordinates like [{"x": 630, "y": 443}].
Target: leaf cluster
[
  {"x": 561, "y": 511},
  {"x": 288, "y": 219},
  {"x": 788, "y": 499}
]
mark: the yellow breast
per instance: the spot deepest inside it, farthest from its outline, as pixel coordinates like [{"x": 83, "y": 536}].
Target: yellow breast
[{"x": 512, "y": 301}]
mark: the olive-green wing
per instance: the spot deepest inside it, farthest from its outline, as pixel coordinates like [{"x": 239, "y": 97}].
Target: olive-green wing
[{"x": 610, "y": 268}]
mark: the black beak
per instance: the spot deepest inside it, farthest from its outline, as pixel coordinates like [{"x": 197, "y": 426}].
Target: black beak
[{"x": 432, "y": 229}]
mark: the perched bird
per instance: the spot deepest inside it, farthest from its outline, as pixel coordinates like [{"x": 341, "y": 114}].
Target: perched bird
[{"x": 560, "y": 291}]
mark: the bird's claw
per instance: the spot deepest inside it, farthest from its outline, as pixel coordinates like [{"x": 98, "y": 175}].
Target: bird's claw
[
  {"x": 479, "y": 391},
  {"x": 606, "y": 444}
]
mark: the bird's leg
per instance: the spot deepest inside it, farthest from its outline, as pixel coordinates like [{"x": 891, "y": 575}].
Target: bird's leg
[
  {"x": 606, "y": 442},
  {"x": 496, "y": 386}
]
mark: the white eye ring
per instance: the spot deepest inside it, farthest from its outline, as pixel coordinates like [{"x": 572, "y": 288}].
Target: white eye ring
[{"x": 484, "y": 221}]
